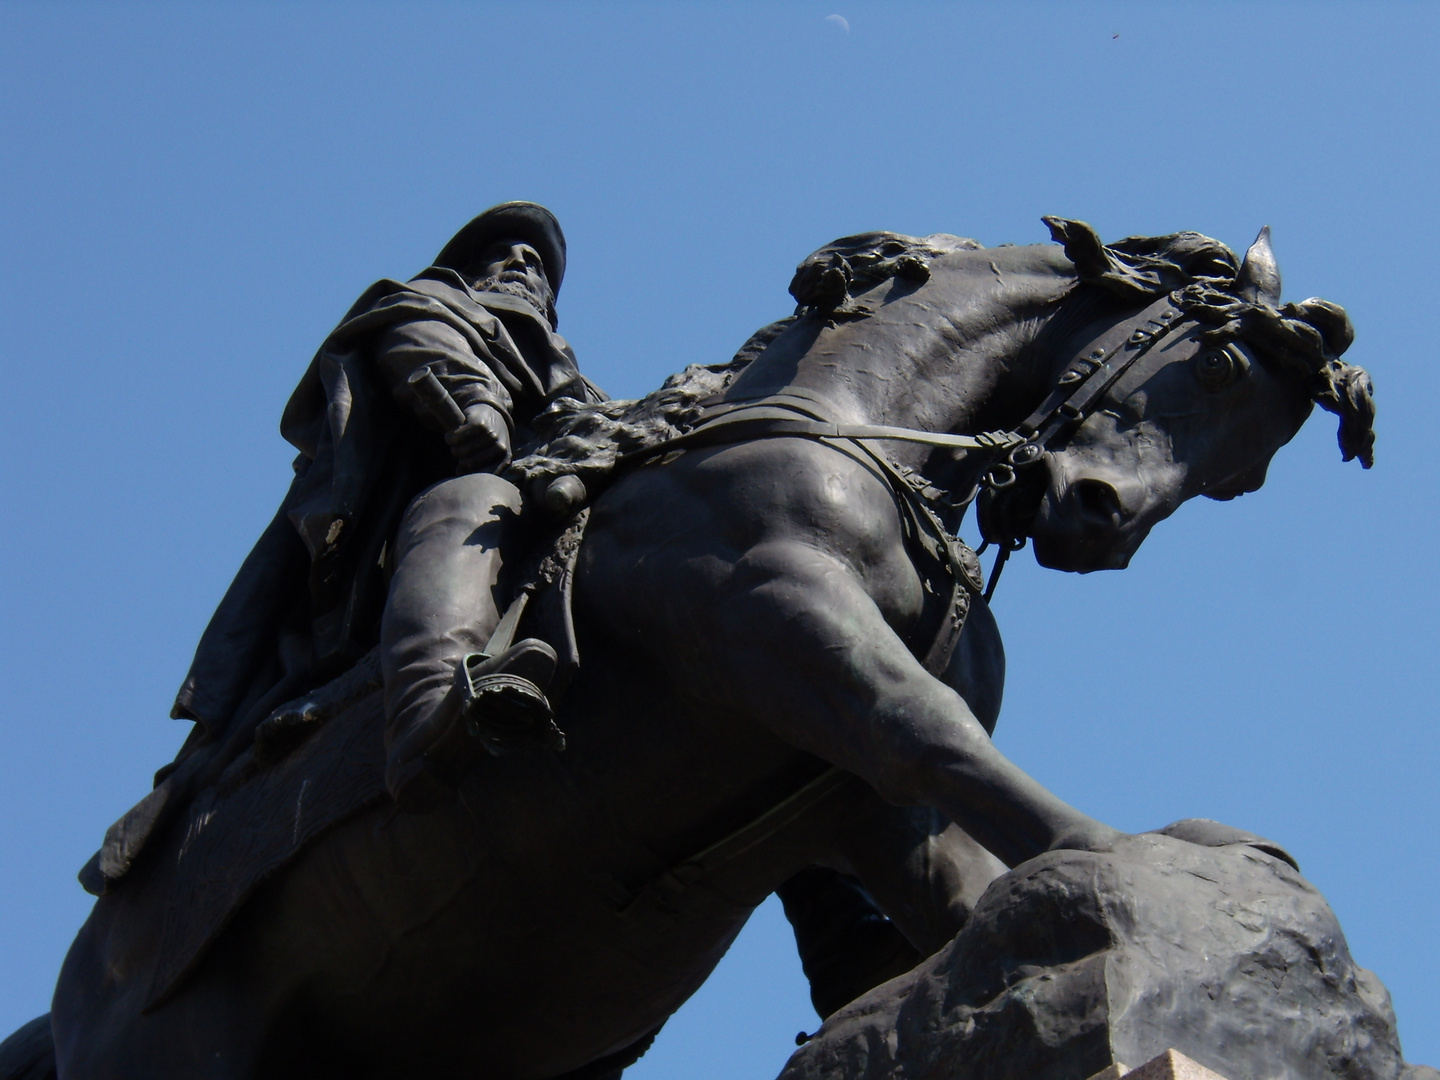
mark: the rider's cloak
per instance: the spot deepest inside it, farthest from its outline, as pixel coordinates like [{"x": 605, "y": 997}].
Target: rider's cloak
[{"x": 307, "y": 600}]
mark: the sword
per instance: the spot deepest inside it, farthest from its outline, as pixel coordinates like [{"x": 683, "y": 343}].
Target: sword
[{"x": 436, "y": 398}]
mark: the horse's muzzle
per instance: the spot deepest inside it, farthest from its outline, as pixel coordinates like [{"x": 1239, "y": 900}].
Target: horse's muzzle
[{"x": 1087, "y": 523}]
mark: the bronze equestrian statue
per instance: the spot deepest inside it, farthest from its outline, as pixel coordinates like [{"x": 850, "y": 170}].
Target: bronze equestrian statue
[{"x": 758, "y": 620}]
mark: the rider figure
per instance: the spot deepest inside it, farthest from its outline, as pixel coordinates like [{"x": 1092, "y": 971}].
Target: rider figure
[
  {"x": 442, "y": 604},
  {"x": 481, "y": 322}
]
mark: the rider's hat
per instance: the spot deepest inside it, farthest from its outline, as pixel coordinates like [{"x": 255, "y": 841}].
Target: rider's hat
[{"x": 526, "y": 221}]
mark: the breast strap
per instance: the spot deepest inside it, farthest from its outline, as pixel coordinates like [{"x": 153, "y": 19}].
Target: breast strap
[{"x": 795, "y": 413}]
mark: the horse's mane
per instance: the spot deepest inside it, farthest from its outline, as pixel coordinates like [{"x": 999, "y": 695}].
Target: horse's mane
[
  {"x": 1203, "y": 275},
  {"x": 586, "y": 439},
  {"x": 826, "y": 284}
]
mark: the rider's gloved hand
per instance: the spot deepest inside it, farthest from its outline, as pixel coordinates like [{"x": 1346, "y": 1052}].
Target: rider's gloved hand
[{"x": 482, "y": 442}]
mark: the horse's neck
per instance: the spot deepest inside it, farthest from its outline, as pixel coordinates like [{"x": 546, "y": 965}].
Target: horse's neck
[{"x": 959, "y": 354}]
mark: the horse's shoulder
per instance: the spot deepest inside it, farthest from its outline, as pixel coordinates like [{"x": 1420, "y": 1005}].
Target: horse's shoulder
[
  {"x": 761, "y": 491},
  {"x": 810, "y": 485}
]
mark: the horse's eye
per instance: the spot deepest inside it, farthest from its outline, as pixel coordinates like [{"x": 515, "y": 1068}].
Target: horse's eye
[{"x": 1218, "y": 368}]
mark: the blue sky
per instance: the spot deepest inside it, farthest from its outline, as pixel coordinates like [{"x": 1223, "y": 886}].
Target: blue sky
[{"x": 193, "y": 195}]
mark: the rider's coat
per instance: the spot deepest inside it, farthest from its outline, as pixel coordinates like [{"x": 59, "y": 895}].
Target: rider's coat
[{"x": 361, "y": 461}]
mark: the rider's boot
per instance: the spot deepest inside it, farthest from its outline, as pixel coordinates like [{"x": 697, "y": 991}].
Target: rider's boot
[
  {"x": 495, "y": 704},
  {"x": 440, "y": 617},
  {"x": 505, "y": 703}
]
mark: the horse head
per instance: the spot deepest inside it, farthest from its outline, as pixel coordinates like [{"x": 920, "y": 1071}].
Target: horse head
[{"x": 1192, "y": 395}]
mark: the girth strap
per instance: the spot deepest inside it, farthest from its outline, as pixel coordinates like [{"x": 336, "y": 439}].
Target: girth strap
[{"x": 665, "y": 890}]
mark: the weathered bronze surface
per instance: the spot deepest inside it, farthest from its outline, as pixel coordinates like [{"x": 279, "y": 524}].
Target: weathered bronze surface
[{"x": 742, "y": 596}]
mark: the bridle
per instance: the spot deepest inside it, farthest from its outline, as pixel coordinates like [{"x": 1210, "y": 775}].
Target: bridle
[
  {"x": 1094, "y": 366},
  {"x": 1092, "y": 371},
  {"x": 1083, "y": 387}
]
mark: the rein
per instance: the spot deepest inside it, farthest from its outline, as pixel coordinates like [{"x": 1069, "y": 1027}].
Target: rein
[
  {"x": 1086, "y": 380},
  {"x": 774, "y": 416}
]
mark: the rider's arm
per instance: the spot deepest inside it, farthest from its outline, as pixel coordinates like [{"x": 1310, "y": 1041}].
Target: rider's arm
[
  {"x": 483, "y": 440},
  {"x": 466, "y": 376}
]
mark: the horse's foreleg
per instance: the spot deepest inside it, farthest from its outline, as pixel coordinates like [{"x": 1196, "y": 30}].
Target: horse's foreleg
[
  {"x": 798, "y": 644},
  {"x": 924, "y": 871}
]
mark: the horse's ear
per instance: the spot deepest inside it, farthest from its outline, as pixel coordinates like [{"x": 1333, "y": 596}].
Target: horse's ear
[
  {"x": 1083, "y": 247},
  {"x": 1259, "y": 280},
  {"x": 1096, "y": 264}
]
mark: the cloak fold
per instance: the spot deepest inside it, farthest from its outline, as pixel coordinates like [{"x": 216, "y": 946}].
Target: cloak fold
[{"x": 307, "y": 601}]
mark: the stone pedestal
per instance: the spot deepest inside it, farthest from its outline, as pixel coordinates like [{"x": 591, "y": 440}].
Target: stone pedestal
[
  {"x": 1074, "y": 961},
  {"x": 1171, "y": 1065}
]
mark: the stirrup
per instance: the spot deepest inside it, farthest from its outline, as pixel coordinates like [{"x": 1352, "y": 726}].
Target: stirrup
[{"x": 504, "y": 709}]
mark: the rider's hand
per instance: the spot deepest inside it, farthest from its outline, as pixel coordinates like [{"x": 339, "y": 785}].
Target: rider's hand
[{"x": 482, "y": 442}]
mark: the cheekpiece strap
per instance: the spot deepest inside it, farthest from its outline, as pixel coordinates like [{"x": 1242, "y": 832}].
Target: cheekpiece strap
[{"x": 1095, "y": 367}]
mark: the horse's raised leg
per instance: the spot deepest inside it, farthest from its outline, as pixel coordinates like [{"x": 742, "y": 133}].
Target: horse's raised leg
[
  {"x": 929, "y": 872},
  {"x": 797, "y": 642}
]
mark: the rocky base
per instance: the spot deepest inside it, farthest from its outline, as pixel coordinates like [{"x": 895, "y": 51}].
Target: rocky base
[
  {"x": 1075, "y": 961},
  {"x": 1171, "y": 1065}
]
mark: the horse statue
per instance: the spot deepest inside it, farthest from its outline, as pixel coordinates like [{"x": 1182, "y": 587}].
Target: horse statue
[{"x": 768, "y": 600}]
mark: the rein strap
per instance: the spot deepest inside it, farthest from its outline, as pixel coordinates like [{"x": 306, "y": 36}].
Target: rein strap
[{"x": 760, "y": 420}]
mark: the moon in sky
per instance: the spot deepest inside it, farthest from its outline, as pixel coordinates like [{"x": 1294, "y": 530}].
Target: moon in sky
[{"x": 838, "y": 20}]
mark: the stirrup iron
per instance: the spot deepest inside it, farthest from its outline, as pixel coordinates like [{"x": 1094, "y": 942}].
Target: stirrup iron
[{"x": 504, "y": 708}]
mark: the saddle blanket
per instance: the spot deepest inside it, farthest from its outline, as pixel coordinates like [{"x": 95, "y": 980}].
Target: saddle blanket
[{"x": 234, "y": 837}]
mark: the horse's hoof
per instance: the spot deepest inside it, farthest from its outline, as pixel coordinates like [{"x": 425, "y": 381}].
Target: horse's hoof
[{"x": 1209, "y": 833}]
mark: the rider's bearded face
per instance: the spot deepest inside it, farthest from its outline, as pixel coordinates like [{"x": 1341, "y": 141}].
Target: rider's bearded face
[{"x": 513, "y": 267}]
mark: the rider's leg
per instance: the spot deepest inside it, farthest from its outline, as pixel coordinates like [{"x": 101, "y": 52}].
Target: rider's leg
[{"x": 444, "y": 604}]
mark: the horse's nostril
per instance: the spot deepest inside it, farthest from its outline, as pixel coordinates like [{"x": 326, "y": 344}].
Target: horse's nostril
[{"x": 1099, "y": 502}]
